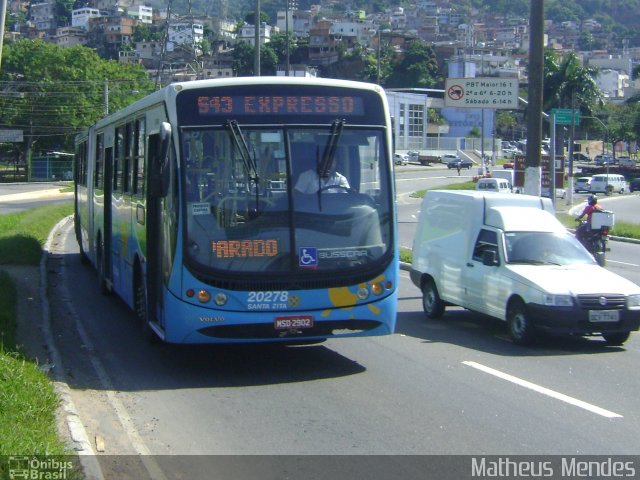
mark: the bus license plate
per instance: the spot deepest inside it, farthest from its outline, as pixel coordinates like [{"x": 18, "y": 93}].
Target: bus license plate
[
  {"x": 297, "y": 321},
  {"x": 604, "y": 315}
]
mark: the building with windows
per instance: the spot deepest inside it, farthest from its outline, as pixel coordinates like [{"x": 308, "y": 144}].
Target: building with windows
[
  {"x": 409, "y": 111},
  {"x": 80, "y": 17},
  {"x": 142, "y": 13}
]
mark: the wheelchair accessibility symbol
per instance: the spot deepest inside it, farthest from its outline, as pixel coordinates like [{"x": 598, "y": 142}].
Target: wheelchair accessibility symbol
[{"x": 308, "y": 257}]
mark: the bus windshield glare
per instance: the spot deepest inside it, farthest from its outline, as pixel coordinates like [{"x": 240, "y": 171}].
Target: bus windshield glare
[{"x": 295, "y": 200}]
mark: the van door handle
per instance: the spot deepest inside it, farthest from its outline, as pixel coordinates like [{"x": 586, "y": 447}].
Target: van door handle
[{"x": 469, "y": 264}]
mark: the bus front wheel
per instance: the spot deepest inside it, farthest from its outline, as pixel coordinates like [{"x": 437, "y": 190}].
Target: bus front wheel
[{"x": 142, "y": 308}]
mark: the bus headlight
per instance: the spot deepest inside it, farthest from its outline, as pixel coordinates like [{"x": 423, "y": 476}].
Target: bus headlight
[
  {"x": 220, "y": 299},
  {"x": 377, "y": 289},
  {"x": 363, "y": 293}
]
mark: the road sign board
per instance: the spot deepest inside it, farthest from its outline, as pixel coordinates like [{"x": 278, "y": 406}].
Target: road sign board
[
  {"x": 563, "y": 116},
  {"x": 486, "y": 92},
  {"x": 11, "y": 136}
]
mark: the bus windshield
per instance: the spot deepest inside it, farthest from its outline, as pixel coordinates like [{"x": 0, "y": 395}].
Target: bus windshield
[{"x": 295, "y": 200}]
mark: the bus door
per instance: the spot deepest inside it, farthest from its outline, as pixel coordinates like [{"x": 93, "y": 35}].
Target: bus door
[{"x": 157, "y": 217}]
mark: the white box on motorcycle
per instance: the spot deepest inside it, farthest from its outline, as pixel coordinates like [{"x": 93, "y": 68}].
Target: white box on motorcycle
[{"x": 602, "y": 218}]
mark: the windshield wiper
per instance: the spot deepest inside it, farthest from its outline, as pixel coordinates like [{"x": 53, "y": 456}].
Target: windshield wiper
[
  {"x": 530, "y": 261},
  {"x": 248, "y": 161},
  {"x": 325, "y": 164}
]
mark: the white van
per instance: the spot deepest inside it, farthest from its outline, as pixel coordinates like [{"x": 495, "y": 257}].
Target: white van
[
  {"x": 493, "y": 185},
  {"x": 608, "y": 183},
  {"x": 507, "y": 256}
]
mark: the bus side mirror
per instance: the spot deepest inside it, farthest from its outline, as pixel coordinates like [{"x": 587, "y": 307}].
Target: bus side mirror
[{"x": 159, "y": 162}]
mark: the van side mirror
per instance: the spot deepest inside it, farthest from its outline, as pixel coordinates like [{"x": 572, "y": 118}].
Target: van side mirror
[{"x": 490, "y": 258}]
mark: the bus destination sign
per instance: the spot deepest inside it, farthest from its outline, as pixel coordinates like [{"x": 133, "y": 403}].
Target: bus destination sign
[
  {"x": 489, "y": 92},
  {"x": 280, "y": 104}
]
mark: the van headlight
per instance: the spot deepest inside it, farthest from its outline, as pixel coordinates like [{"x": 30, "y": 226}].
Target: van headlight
[
  {"x": 633, "y": 301},
  {"x": 558, "y": 300}
]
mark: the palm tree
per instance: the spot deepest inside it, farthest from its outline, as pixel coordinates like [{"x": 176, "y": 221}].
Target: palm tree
[{"x": 568, "y": 84}]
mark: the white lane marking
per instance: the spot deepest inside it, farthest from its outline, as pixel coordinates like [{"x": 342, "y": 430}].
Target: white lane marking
[
  {"x": 545, "y": 391},
  {"x": 623, "y": 263}
]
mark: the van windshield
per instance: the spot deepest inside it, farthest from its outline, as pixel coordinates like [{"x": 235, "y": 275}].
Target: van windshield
[{"x": 545, "y": 248}]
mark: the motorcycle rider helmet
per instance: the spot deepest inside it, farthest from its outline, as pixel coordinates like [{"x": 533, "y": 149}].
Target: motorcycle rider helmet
[{"x": 593, "y": 199}]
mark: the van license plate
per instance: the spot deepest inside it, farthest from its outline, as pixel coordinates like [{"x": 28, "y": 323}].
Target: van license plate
[
  {"x": 604, "y": 315},
  {"x": 294, "y": 321}
]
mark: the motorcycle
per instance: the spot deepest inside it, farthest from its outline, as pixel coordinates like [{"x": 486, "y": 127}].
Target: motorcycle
[{"x": 594, "y": 240}]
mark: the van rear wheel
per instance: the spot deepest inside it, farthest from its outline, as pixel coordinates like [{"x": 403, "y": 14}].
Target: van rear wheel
[{"x": 431, "y": 302}]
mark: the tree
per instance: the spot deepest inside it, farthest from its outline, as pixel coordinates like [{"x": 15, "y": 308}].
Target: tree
[
  {"x": 55, "y": 92},
  {"x": 417, "y": 68},
  {"x": 250, "y": 17},
  {"x": 243, "y": 60},
  {"x": 505, "y": 122},
  {"x": 567, "y": 84},
  {"x": 622, "y": 123}
]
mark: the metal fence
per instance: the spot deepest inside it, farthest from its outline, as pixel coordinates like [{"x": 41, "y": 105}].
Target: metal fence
[
  {"x": 54, "y": 167},
  {"x": 51, "y": 167}
]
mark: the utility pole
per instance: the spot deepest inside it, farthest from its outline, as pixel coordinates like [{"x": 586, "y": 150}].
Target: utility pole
[
  {"x": 3, "y": 15},
  {"x": 286, "y": 22},
  {"x": 533, "y": 173},
  {"x": 256, "y": 53},
  {"x": 106, "y": 97}
]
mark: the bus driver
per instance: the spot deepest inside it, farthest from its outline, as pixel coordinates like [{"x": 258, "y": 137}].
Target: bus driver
[{"x": 311, "y": 182}]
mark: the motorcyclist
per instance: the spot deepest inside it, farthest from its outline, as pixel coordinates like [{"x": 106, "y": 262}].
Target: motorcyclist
[{"x": 592, "y": 206}]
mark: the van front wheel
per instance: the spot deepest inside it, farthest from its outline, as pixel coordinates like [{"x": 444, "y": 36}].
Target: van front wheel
[
  {"x": 431, "y": 302},
  {"x": 520, "y": 328}
]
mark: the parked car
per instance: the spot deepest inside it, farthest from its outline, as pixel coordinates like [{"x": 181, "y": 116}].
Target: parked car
[
  {"x": 511, "y": 152},
  {"x": 625, "y": 161},
  {"x": 634, "y": 185},
  {"x": 493, "y": 185},
  {"x": 449, "y": 157},
  {"x": 582, "y": 184},
  {"x": 581, "y": 157},
  {"x": 603, "y": 159},
  {"x": 463, "y": 162},
  {"x": 508, "y": 165},
  {"x": 401, "y": 159}
]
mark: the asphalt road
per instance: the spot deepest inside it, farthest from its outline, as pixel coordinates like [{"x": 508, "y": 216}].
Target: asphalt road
[
  {"x": 456, "y": 386},
  {"x": 17, "y": 197}
]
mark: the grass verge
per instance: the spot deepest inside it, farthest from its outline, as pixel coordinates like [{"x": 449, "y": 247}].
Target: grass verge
[{"x": 27, "y": 399}]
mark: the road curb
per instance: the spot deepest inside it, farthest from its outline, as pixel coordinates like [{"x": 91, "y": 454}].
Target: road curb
[{"x": 83, "y": 447}]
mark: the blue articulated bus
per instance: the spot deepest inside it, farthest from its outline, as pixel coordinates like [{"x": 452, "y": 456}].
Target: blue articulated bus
[{"x": 256, "y": 209}]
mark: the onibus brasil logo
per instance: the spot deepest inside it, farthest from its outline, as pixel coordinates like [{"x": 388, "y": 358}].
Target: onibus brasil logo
[{"x": 34, "y": 468}]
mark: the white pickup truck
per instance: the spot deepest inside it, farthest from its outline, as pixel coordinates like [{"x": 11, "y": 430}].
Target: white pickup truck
[{"x": 507, "y": 256}]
